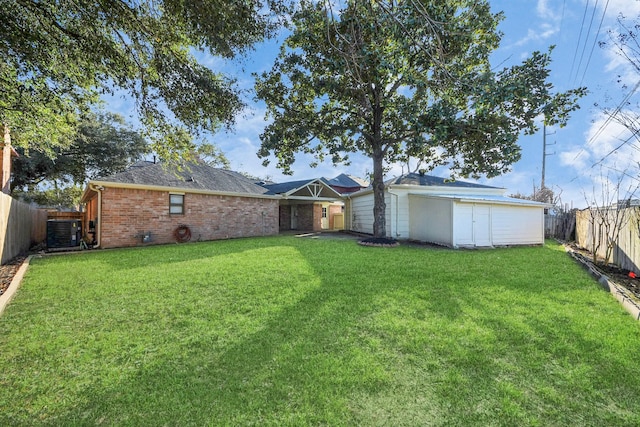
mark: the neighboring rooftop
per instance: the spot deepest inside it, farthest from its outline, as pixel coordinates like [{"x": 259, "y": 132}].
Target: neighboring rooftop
[
  {"x": 432, "y": 181},
  {"x": 348, "y": 181},
  {"x": 198, "y": 176}
]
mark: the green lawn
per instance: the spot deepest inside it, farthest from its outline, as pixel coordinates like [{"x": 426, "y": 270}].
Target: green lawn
[{"x": 299, "y": 331}]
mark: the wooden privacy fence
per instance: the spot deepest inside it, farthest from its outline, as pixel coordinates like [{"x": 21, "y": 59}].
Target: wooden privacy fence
[
  {"x": 561, "y": 226},
  {"x": 611, "y": 232},
  {"x": 21, "y": 226}
]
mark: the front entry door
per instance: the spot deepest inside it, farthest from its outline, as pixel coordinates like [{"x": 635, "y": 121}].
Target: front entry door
[{"x": 324, "y": 223}]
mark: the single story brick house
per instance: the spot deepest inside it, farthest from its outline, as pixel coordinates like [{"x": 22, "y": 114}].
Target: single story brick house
[
  {"x": 148, "y": 204},
  {"x": 451, "y": 213}
]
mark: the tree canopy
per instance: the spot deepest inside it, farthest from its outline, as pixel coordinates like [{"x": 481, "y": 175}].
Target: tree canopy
[
  {"x": 102, "y": 145},
  {"x": 399, "y": 79},
  {"x": 58, "y": 56}
]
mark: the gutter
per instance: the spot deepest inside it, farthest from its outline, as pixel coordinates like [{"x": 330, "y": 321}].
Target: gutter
[
  {"x": 132, "y": 186},
  {"x": 98, "y": 189}
]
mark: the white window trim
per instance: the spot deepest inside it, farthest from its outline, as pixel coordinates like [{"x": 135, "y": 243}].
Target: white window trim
[{"x": 173, "y": 205}]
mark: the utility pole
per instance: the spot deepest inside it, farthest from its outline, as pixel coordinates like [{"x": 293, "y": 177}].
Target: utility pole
[{"x": 544, "y": 151}]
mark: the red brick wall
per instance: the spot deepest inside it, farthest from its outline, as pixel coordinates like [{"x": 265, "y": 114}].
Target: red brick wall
[
  {"x": 305, "y": 217},
  {"x": 317, "y": 217},
  {"x": 127, "y": 214}
]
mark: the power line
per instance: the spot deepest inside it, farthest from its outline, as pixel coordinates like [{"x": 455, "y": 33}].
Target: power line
[
  {"x": 586, "y": 39},
  {"x": 595, "y": 40},
  {"x": 624, "y": 142},
  {"x": 575, "y": 54},
  {"x": 609, "y": 119}
]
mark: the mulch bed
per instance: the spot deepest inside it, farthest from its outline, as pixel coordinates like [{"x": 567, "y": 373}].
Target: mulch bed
[
  {"x": 379, "y": 242},
  {"x": 8, "y": 270},
  {"x": 621, "y": 277},
  {"x": 616, "y": 274}
]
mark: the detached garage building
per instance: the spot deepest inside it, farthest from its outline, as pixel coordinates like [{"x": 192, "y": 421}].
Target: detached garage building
[{"x": 451, "y": 213}]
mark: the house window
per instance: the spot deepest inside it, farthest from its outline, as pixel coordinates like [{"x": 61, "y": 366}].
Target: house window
[
  {"x": 176, "y": 204},
  {"x": 324, "y": 212}
]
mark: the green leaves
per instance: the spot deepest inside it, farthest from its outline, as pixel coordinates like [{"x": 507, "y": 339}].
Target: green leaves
[
  {"x": 404, "y": 79},
  {"x": 103, "y": 145},
  {"x": 61, "y": 55}
]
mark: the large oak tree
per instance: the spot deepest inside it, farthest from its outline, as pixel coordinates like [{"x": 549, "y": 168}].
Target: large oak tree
[
  {"x": 398, "y": 79},
  {"x": 58, "y": 56}
]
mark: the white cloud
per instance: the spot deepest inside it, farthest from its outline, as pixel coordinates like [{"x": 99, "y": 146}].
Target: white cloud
[
  {"x": 630, "y": 8},
  {"x": 543, "y": 9},
  {"x": 575, "y": 158}
]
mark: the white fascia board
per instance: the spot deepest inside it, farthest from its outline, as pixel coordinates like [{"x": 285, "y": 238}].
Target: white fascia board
[
  {"x": 311, "y": 199},
  {"x": 169, "y": 189},
  {"x": 500, "y": 200},
  {"x": 462, "y": 191}
]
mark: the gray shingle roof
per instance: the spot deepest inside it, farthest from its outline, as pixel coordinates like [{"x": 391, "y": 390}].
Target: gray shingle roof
[
  {"x": 344, "y": 180},
  {"x": 285, "y": 187},
  {"x": 196, "y": 176},
  {"x": 432, "y": 181}
]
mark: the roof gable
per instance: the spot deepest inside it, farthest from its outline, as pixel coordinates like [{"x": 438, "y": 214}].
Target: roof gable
[{"x": 317, "y": 188}]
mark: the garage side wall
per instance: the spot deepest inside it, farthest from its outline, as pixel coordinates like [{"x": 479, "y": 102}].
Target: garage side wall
[
  {"x": 431, "y": 220},
  {"x": 514, "y": 225},
  {"x": 361, "y": 214},
  {"x": 128, "y": 214}
]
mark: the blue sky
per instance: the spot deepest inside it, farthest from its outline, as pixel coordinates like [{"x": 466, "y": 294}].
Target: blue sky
[{"x": 578, "y": 163}]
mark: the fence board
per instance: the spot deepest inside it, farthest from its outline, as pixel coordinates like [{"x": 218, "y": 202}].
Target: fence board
[
  {"x": 21, "y": 226},
  {"x": 594, "y": 237}
]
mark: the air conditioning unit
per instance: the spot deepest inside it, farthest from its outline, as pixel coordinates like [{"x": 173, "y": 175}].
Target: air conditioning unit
[{"x": 64, "y": 233}]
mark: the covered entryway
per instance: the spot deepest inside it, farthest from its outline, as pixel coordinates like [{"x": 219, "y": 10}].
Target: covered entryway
[{"x": 307, "y": 205}]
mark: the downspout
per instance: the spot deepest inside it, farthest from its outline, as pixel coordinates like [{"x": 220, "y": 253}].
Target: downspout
[
  {"x": 347, "y": 210},
  {"x": 397, "y": 210},
  {"x": 98, "y": 189}
]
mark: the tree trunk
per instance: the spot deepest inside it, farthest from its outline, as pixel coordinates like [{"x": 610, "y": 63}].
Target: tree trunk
[
  {"x": 379, "y": 205},
  {"x": 377, "y": 154}
]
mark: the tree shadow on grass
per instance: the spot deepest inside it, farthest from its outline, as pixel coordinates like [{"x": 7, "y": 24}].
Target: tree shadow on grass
[
  {"x": 344, "y": 345},
  {"x": 303, "y": 363}
]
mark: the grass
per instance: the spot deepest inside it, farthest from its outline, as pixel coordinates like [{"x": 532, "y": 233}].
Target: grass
[{"x": 290, "y": 331}]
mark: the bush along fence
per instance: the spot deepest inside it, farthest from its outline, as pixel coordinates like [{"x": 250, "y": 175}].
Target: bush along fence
[
  {"x": 21, "y": 226},
  {"x": 611, "y": 234}
]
